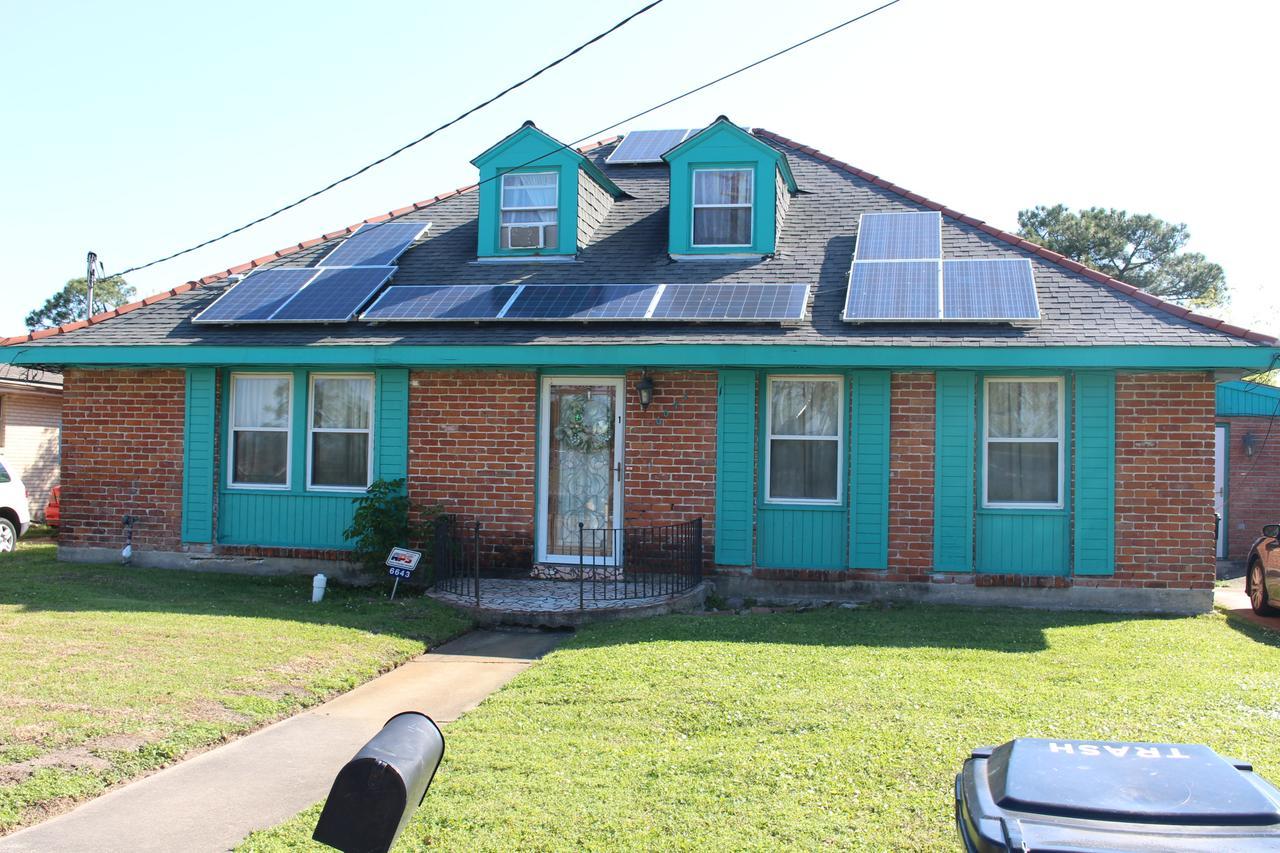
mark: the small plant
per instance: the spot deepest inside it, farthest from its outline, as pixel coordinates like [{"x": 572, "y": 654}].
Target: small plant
[
  {"x": 713, "y": 601},
  {"x": 386, "y": 518}
]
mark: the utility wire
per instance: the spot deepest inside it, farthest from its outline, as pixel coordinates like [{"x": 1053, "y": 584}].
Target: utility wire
[
  {"x": 404, "y": 147},
  {"x": 562, "y": 146}
]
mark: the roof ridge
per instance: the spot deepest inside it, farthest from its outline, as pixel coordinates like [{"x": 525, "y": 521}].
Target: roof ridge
[
  {"x": 1036, "y": 248},
  {"x": 257, "y": 262}
]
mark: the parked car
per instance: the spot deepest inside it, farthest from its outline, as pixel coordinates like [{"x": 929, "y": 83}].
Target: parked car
[
  {"x": 53, "y": 509},
  {"x": 1262, "y": 582},
  {"x": 15, "y": 517}
]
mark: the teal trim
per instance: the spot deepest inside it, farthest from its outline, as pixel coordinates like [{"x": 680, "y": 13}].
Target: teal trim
[
  {"x": 801, "y": 537},
  {"x": 391, "y": 426},
  {"x": 1018, "y": 540},
  {"x": 954, "y": 458},
  {"x": 1224, "y": 529},
  {"x": 815, "y": 357},
  {"x": 735, "y": 467},
  {"x": 1095, "y": 465},
  {"x": 869, "y": 469},
  {"x": 198, "y": 455},
  {"x": 723, "y": 145},
  {"x": 1247, "y": 399},
  {"x": 531, "y": 150}
]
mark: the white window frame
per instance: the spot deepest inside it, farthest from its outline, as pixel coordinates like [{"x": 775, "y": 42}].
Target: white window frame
[
  {"x": 287, "y": 429},
  {"x": 838, "y": 437},
  {"x": 541, "y": 226},
  {"x": 751, "y": 206},
  {"x": 312, "y": 429},
  {"x": 987, "y": 440}
]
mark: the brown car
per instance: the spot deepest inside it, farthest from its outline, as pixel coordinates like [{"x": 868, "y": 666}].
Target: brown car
[{"x": 1262, "y": 583}]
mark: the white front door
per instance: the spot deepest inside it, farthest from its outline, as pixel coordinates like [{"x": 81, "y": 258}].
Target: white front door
[
  {"x": 580, "y": 468},
  {"x": 1220, "y": 486}
]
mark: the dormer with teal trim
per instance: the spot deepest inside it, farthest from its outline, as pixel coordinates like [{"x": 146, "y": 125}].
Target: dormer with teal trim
[
  {"x": 729, "y": 192},
  {"x": 533, "y": 198}
]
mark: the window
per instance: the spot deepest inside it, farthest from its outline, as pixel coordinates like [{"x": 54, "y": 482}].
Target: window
[
  {"x": 261, "y": 408},
  {"x": 341, "y": 432},
  {"x": 722, "y": 206},
  {"x": 530, "y": 210},
  {"x": 802, "y": 456},
  {"x": 1023, "y": 447}
]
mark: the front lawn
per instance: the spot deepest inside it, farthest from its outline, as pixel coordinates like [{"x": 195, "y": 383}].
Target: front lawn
[
  {"x": 832, "y": 729},
  {"x": 108, "y": 672}
]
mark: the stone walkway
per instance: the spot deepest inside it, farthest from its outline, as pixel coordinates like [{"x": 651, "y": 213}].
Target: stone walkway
[
  {"x": 212, "y": 801},
  {"x": 526, "y": 596}
]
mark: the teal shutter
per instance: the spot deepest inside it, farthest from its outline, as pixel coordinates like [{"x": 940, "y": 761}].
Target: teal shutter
[
  {"x": 869, "y": 477},
  {"x": 197, "y": 456},
  {"x": 735, "y": 467},
  {"x": 953, "y": 472},
  {"x": 1095, "y": 473},
  {"x": 393, "y": 424}
]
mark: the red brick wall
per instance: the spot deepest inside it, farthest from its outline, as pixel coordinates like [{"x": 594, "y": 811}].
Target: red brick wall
[
  {"x": 911, "y": 464},
  {"x": 472, "y": 448},
  {"x": 1253, "y": 482},
  {"x": 122, "y": 442},
  {"x": 671, "y": 452},
  {"x": 1164, "y": 482}
]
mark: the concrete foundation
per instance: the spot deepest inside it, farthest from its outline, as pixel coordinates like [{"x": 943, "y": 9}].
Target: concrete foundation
[{"x": 337, "y": 570}]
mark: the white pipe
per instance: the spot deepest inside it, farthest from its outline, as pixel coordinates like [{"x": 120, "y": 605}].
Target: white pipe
[{"x": 317, "y": 588}]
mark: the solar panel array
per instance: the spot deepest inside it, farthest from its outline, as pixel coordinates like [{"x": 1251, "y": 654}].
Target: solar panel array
[
  {"x": 570, "y": 302},
  {"x": 334, "y": 295},
  {"x": 647, "y": 146},
  {"x": 375, "y": 244},
  {"x": 256, "y": 297},
  {"x": 899, "y": 275}
]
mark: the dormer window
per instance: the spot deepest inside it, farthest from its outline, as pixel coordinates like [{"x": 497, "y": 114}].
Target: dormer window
[
  {"x": 530, "y": 210},
  {"x": 722, "y": 212}
]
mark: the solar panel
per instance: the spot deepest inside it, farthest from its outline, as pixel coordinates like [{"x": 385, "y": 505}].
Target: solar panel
[
  {"x": 892, "y": 290},
  {"x": 440, "y": 302},
  {"x": 582, "y": 302},
  {"x": 375, "y": 244},
  {"x": 334, "y": 295},
  {"x": 256, "y": 297},
  {"x": 899, "y": 236},
  {"x": 732, "y": 302},
  {"x": 646, "y": 146},
  {"x": 989, "y": 290}
]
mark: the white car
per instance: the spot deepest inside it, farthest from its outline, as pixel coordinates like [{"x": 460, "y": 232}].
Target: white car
[{"x": 15, "y": 516}]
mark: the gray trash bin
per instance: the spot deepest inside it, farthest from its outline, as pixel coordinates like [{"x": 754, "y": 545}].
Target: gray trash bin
[{"x": 1082, "y": 796}]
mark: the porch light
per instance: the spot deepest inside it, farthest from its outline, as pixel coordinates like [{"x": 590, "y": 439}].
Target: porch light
[
  {"x": 1250, "y": 444},
  {"x": 644, "y": 387}
]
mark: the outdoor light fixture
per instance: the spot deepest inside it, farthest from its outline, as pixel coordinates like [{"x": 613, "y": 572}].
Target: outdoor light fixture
[
  {"x": 1250, "y": 444},
  {"x": 644, "y": 388}
]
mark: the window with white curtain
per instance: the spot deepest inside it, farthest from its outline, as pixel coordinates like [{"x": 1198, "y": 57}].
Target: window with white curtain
[
  {"x": 340, "y": 432},
  {"x": 530, "y": 210},
  {"x": 261, "y": 408},
  {"x": 722, "y": 200},
  {"x": 802, "y": 448},
  {"x": 1023, "y": 443}
]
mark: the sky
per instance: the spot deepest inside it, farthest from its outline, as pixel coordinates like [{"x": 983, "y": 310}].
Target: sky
[{"x": 137, "y": 129}]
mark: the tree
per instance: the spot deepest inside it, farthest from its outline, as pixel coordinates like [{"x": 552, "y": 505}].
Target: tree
[
  {"x": 68, "y": 304},
  {"x": 1137, "y": 248}
]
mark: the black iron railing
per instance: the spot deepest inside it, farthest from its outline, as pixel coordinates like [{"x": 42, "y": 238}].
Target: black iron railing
[{"x": 613, "y": 564}]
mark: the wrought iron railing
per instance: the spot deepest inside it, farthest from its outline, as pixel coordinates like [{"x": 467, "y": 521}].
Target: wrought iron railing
[{"x": 613, "y": 564}]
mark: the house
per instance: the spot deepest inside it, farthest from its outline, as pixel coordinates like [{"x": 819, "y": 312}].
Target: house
[
  {"x": 1246, "y": 464},
  {"x": 30, "y": 420},
  {"x": 858, "y": 390}
]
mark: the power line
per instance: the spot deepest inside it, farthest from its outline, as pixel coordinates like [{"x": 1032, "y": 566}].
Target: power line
[
  {"x": 404, "y": 147},
  {"x": 562, "y": 146}
]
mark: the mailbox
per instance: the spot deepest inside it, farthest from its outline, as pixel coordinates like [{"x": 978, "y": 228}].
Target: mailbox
[{"x": 380, "y": 788}]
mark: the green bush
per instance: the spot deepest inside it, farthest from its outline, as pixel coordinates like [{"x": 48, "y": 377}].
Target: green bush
[{"x": 384, "y": 519}]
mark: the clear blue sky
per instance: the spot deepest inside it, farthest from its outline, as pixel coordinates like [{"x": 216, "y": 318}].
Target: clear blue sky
[{"x": 137, "y": 129}]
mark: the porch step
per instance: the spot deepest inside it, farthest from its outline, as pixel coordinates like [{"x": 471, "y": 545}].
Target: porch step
[{"x": 555, "y": 604}]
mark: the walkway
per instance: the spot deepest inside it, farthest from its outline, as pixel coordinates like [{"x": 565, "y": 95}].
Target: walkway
[
  {"x": 1231, "y": 598},
  {"x": 553, "y": 603},
  {"x": 212, "y": 801}
]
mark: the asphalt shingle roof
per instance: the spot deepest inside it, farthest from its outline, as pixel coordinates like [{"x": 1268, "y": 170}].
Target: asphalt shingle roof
[{"x": 630, "y": 246}]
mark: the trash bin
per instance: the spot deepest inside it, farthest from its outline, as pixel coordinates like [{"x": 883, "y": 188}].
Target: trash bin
[{"x": 1058, "y": 795}]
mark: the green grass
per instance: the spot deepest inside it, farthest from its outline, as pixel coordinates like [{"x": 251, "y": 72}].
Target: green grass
[
  {"x": 108, "y": 672},
  {"x": 826, "y": 730}
]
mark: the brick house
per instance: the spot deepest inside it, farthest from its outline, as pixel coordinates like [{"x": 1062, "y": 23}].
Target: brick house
[
  {"x": 731, "y": 326},
  {"x": 1247, "y": 464}
]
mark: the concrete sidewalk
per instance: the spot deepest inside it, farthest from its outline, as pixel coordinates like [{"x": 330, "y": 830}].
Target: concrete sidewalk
[
  {"x": 1231, "y": 598},
  {"x": 211, "y": 802}
]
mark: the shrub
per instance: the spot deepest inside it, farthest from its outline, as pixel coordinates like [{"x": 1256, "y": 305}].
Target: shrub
[{"x": 384, "y": 519}]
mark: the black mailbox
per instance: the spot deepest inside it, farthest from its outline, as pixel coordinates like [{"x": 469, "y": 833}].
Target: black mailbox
[
  {"x": 1036, "y": 794},
  {"x": 381, "y": 787}
]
